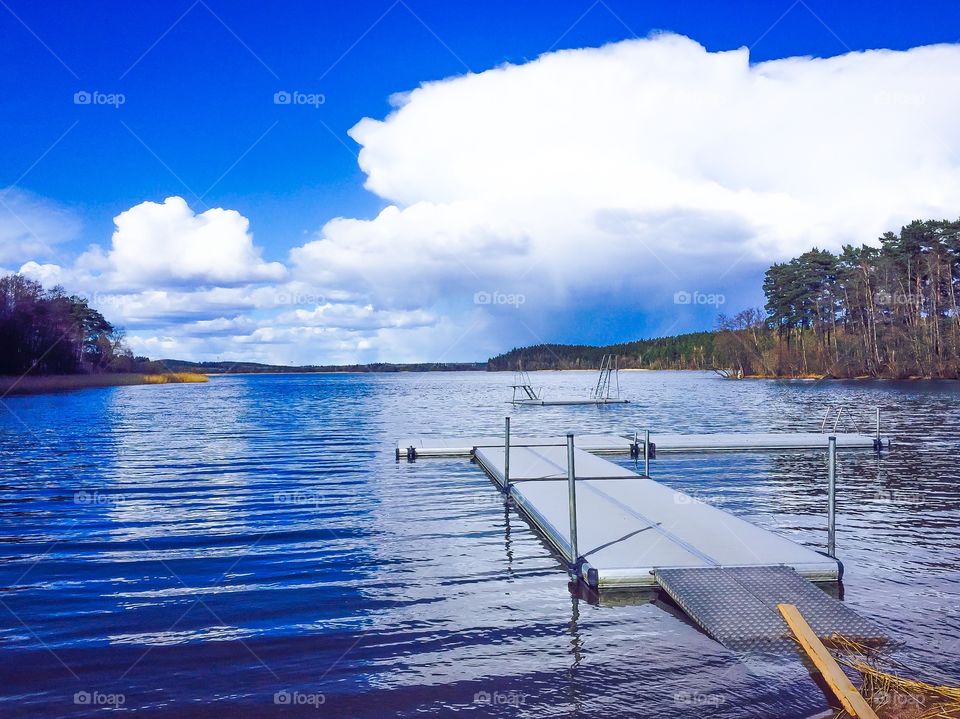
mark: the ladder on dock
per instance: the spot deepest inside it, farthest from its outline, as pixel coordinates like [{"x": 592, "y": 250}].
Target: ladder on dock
[
  {"x": 523, "y": 386},
  {"x": 608, "y": 380}
]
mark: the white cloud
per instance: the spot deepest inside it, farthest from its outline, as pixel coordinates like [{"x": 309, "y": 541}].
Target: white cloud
[
  {"x": 354, "y": 317},
  {"x": 32, "y": 227},
  {"x": 164, "y": 245},
  {"x": 643, "y": 167},
  {"x": 196, "y": 286}
]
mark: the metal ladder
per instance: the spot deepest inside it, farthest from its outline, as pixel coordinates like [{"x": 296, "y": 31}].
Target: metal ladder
[{"x": 609, "y": 377}]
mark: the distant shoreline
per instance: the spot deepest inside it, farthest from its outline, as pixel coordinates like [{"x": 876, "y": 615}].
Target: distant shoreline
[
  {"x": 51, "y": 384},
  {"x": 43, "y": 384}
]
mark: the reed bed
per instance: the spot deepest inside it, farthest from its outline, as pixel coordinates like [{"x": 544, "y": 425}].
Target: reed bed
[
  {"x": 174, "y": 378},
  {"x": 40, "y": 384},
  {"x": 889, "y": 691}
]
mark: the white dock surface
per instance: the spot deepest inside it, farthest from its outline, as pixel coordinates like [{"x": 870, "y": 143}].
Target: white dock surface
[
  {"x": 662, "y": 442},
  {"x": 629, "y": 526},
  {"x": 747, "y": 441},
  {"x": 463, "y": 447}
]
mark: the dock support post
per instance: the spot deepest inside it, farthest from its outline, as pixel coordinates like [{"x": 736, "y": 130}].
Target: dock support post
[
  {"x": 506, "y": 455},
  {"x": 646, "y": 452},
  {"x": 878, "y": 443},
  {"x": 572, "y": 498},
  {"x": 831, "y": 495}
]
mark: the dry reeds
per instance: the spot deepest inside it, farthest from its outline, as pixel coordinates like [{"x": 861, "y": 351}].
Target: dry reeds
[{"x": 891, "y": 694}]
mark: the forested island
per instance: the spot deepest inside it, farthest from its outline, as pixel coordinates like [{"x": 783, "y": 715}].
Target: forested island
[{"x": 886, "y": 311}]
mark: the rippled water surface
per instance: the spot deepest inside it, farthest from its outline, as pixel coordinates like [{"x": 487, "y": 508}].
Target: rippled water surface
[{"x": 249, "y": 547}]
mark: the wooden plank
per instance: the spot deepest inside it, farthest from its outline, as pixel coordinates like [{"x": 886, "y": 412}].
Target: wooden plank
[{"x": 842, "y": 687}]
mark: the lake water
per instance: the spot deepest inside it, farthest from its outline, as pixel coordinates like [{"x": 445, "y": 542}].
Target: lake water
[{"x": 249, "y": 547}]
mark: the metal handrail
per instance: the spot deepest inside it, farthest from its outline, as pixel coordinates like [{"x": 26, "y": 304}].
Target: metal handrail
[{"x": 572, "y": 500}]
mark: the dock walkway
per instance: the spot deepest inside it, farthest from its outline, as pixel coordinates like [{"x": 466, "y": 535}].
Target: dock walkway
[
  {"x": 629, "y": 526},
  {"x": 660, "y": 442}
]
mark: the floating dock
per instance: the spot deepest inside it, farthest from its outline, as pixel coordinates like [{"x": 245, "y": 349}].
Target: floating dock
[
  {"x": 629, "y": 527},
  {"x": 621, "y": 530},
  {"x": 632, "y": 445}
]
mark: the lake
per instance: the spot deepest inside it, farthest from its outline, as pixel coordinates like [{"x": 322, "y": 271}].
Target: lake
[{"x": 250, "y": 547}]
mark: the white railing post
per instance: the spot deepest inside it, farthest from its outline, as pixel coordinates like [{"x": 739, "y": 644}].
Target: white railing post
[
  {"x": 572, "y": 500},
  {"x": 832, "y": 496},
  {"x": 646, "y": 452},
  {"x": 506, "y": 455}
]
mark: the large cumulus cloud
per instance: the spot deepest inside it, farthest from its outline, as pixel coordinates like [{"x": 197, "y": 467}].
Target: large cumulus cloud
[
  {"x": 648, "y": 166},
  {"x": 588, "y": 181}
]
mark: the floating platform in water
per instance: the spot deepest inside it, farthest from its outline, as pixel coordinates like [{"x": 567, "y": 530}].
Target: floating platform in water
[
  {"x": 606, "y": 391},
  {"x": 660, "y": 442},
  {"x": 464, "y": 447},
  {"x": 617, "y": 529},
  {"x": 537, "y": 402},
  {"x": 629, "y": 527},
  {"x": 761, "y": 441}
]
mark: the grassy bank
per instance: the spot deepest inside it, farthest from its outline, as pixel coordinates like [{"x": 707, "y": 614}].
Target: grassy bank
[{"x": 61, "y": 382}]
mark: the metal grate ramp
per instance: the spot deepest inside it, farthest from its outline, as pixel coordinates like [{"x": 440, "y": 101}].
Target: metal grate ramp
[{"x": 737, "y": 606}]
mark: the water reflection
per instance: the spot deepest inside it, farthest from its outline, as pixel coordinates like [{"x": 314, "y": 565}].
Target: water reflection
[{"x": 267, "y": 541}]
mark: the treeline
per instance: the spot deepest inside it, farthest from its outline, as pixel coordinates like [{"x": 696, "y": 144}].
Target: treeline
[
  {"x": 877, "y": 311},
  {"x": 50, "y": 332},
  {"x": 689, "y": 351},
  {"x": 174, "y": 365},
  {"x": 886, "y": 311}
]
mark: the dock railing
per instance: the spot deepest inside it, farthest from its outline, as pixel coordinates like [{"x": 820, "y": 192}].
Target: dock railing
[
  {"x": 832, "y": 496},
  {"x": 573, "y": 555},
  {"x": 572, "y": 501}
]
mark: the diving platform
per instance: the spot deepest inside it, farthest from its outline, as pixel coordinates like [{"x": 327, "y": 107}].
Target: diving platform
[
  {"x": 606, "y": 390},
  {"x": 632, "y": 445},
  {"x": 537, "y": 402}
]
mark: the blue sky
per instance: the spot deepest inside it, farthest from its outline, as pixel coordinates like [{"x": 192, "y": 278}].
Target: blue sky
[{"x": 198, "y": 121}]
